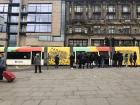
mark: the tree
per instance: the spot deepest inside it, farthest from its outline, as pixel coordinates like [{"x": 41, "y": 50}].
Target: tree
[
  {"x": 112, "y": 42},
  {"x": 107, "y": 42}
]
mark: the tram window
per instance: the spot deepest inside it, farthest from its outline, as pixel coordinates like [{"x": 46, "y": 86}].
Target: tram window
[
  {"x": 18, "y": 55},
  {"x": 105, "y": 53}
]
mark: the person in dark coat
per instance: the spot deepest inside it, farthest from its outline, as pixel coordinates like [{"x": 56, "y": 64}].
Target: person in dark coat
[
  {"x": 135, "y": 59},
  {"x": 79, "y": 57},
  {"x": 71, "y": 60},
  {"x": 120, "y": 59},
  {"x": 117, "y": 58},
  {"x": 91, "y": 59},
  {"x": 99, "y": 60},
  {"x": 102, "y": 61},
  {"x": 114, "y": 59},
  {"x": 131, "y": 59},
  {"x": 83, "y": 60},
  {"x": 96, "y": 59},
  {"x": 37, "y": 63},
  {"x": 56, "y": 61},
  {"x": 87, "y": 60},
  {"x": 2, "y": 66}
]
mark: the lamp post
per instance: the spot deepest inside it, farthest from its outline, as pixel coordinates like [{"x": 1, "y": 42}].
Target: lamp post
[{"x": 7, "y": 31}]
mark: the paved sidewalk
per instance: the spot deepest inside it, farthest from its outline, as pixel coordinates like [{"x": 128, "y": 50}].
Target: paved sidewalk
[{"x": 104, "y": 86}]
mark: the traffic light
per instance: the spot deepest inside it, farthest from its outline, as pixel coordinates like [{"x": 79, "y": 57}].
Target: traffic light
[{"x": 107, "y": 42}]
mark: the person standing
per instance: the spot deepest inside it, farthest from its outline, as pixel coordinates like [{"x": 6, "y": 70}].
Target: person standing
[
  {"x": 126, "y": 60},
  {"x": 71, "y": 61},
  {"x": 79, "y": 59},
  {"x": 2, "y": 66},
  {"x": 99, "y": 60},
  {"x": 135, "y": 59},
  {"x": 120, "y": 59},
  {"x": 37, "y": 63},
  {"x": 56, "y": 61},
  {"x": 115, "y": 59},
  {"x": 131, "y": 59},
  {"x": 91, "y": 59}
]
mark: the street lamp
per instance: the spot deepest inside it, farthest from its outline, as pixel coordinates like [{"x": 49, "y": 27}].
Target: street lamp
[{"x": 7, "y": 31}]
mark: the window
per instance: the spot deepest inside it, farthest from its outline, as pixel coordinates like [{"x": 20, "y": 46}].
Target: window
[
  {"x": 43, "y": 17},
  {"x": 96, "y": 29},
  {"x": 40, "y": 8},
  {"x": 45, "y": 38},
  {"x": 31, "y": 18},
  {"x": 18, "y": 55},
  {"x": 78, "y": 9},
  {"x": 96, "y": 8},
  {"x": 16, "y": 1},
  {"x": 43, "y": 28},
  {"x": 96, "y": 16},
  {"x": 78, "y": 16},
  {"x": 39, "y": 28},
  {"x": 32, "y": 8},
  {"x": 14, "y": 19},
  {"x": 40, "y": 21},
  {"x": 126, "y": 29},
  {"x": 97, "y": 42},
  {"x": 13, "y": 28},
  {"x": 3, "y": 7},
  {"x": 15, "y": 9},
  {"x": 111, "y": 16},
  {"x": 126, "y": 42},
  {"x": 31, "y": 28},
  {"x": 126, "y": 16},
  {"x": 70, "y": 30},
  {"x": 138, "y": 8},
  {"x": 5, "y": 16},
  {"x": 138, "y": 16},
  {"x": 78, "y": 42},
  {"x": 4, "y": 28},
  {"x": 111, "y": 8},
  {"x": 125, "y": 8},
  {"x": 111, "y": 29},
  {"x": 78, "y": 30},
  {"x": 12, "y": 41}
]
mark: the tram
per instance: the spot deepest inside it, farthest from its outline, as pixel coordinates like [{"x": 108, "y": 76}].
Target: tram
[{"x": 25, "y": 55}]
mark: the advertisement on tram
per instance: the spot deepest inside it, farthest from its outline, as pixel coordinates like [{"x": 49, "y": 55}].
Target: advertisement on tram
[
  {"x": 63, "y": 54},
  {"x": 129, "y": 50}
]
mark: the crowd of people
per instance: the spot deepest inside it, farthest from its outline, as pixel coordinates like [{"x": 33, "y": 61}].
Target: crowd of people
[
  {"x": 118, "y": 59},
  {"x": 99, "y": 60}
]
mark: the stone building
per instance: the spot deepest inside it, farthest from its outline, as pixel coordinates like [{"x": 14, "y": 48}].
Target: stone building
[{"x": 94, "y": 22}]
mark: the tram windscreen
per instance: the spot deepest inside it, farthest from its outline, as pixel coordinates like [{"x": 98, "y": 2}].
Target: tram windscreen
[{"x": 18, "y": 55}]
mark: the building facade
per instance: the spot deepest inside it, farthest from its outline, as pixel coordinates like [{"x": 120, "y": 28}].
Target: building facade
[
  {"x": 2, "y": 40},
  {"x": 33, "y": 22},
  {"x": 99, "y": 22}
]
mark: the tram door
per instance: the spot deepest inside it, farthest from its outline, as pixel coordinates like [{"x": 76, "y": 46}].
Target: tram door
[
  {"x": 105, "y": 55},
  {"x": 34, "y": 54}
]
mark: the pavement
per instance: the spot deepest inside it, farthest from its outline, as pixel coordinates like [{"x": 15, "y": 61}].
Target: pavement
[{"x": 97, "y": 86}]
